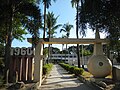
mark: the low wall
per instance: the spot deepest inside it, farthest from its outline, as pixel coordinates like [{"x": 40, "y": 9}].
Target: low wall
[{"x": 116, "y": 73}]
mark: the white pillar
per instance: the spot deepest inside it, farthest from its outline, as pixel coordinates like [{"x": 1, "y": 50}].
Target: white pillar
[
  {"x": 98, "y": 49},
  {"x": 38, "y": 63}
]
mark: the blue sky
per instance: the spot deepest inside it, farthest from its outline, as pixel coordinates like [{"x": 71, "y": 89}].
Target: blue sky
[{"x": 66, "y": 13}]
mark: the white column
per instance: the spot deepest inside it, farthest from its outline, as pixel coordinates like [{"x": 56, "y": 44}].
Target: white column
[
  {"x": 38, "y": 63},
  {"x": 98, "y": 49}
]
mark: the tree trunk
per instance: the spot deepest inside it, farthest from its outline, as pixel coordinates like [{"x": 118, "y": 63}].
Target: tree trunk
[
  {"x": 49, "y": 53},
  {"x": 78, "y": 53},
  {"x": 49, "y": 36},
  {"x": 8, "y": 46},
  {"x": 62, "y": 48},
  {"x": 65, "y": 53},
  {"x": 44, "y": 20}
]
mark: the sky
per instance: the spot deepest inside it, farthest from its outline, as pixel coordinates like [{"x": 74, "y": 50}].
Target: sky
[{"x": 66, "y": 13}]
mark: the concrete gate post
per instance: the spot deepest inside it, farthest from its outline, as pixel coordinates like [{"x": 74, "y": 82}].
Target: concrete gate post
[
  {"x": 99, "y": 65},
  {"x": 38, "y": 63}
]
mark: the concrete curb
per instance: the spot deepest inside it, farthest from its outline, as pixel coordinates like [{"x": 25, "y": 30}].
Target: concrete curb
[{"x": 91, "y": 84}]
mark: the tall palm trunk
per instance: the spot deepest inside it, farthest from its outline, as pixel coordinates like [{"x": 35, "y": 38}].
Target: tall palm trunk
[
  {"x": 82, "y": 37},
  {"x": 8, "y": 45},
  {"x": 44, "y": 21},
  {"x": 49, "y": 47},
  {"x": 78, "y": 53},
  {"x": 66, "y": 53}
]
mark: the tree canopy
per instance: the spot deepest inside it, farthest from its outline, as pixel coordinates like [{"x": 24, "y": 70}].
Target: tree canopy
[
  {"x": 103, "y": 14},
  {"x": 15, "y": 17}
]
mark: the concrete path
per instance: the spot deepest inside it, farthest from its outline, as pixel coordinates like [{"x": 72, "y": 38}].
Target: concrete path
[{"x": 59, "y": 79}]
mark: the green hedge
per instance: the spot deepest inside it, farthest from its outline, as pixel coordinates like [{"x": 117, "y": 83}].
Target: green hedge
[
  {"x": 47, "y": 68},
  {"x": 72, "y": 69}
]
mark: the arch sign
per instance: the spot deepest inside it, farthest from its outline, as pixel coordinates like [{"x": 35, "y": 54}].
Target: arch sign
[{"x": 22, "y": 51}]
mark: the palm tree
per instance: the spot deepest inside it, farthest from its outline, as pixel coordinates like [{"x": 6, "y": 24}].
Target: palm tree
[
  {"x": 51, "y": 22},
  {"x": 66, "y": 28},
  {"x": 51, "y": 26},
  {"x": 46, "y": 3},
  {"x": 76, "y": 4}
]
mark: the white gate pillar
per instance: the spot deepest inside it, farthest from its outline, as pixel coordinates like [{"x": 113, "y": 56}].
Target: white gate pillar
[{"x": 38, "y": 63}]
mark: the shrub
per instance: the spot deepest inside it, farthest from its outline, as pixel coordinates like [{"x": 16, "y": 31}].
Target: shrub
[
  {"x": 47, "y": 68},
  {"x": 72, "y": 69},
  {"x": 78, "y": 71}
]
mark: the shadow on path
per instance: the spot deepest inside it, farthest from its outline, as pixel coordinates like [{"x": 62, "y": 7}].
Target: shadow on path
[{"x": 60, "y": 79}]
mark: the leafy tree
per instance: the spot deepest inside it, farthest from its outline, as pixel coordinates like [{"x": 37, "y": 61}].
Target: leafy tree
[
  {"x": 87, "y": 49},
  {"x": 32, "y": 25},
  {"x": 72, "y": 49},
  {"x": 12, "y": 13},
  {"x": 104, "y": 15},
  {"x": 45, "y": 51},
  {"x": 55, "y": 50}
]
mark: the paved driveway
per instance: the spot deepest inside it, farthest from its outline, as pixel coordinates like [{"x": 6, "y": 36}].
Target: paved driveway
[{"x": 59, "y": 79}]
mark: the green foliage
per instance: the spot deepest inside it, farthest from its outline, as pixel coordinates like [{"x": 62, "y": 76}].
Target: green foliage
[
  {"x": 78, "y": 71},
  {"x": 1, "y": 50},
  {"x": 74, "y": 3},
  {"x": 55, "y": 50},
  {"x": 86, "y": 52},
  {"x": 16, "y": 9},
  {"x": 72, "y": 69},
  {"x": 47, "y": 3},
  {"x": 51, "y": 24},
  {"x": 45, "y": 51},
  {"x": 101, "y": 14},
  {"x": 14, "y": 15},
  {"x": 66, "y": 28},
  {"x": 47, "y": 68},
  {"x": 87, "y": 49}
]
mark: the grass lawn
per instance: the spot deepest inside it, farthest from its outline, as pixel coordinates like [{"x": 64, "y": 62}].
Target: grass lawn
[{"x": 88, "y": 75}]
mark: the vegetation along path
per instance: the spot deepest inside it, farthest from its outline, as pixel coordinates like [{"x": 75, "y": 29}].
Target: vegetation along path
[{"x": 59, "y": 79}]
